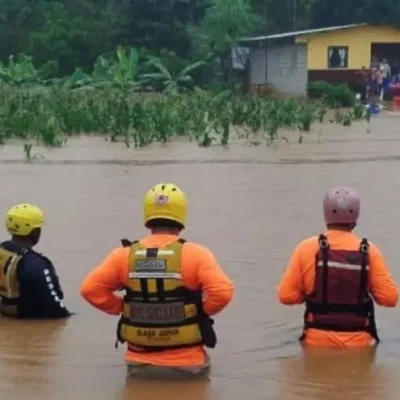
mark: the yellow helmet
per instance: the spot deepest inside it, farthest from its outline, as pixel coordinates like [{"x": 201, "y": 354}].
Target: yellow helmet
[
  {"x": 165, "y": 201},
  {"x": 22, "y": 219}
]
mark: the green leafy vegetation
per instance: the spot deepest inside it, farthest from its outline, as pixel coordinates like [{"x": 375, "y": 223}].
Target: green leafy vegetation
[
  {"x": 113, "y": 101},
  {"x": 74, "y": 33},
  {"x": 332, "y": 95},
  {"x": 143, "y": 71}
]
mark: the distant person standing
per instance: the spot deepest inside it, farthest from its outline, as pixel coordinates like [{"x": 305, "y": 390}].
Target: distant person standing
[
  {"x": 386, "y": 73},
  {"x": 362, "y": 79},
  {"x": 376, "y": 94},
  {"x": 375, "y": 63},
  {"x": 373, "y": 87}
]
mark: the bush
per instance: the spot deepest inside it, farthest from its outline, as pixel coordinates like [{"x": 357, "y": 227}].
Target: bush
[{"x": 333, "y": 95}]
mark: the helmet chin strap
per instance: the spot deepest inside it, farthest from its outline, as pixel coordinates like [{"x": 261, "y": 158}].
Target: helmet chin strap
[{"x": 342, "y": 227}]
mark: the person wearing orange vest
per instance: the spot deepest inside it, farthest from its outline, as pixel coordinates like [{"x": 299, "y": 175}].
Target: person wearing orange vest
[
  {"x": 173, "y": 287},
  {"x": 338, "y": 276}
]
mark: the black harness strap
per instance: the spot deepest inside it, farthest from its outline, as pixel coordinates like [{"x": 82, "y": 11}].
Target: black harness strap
[
  {"x": 324, "y": 248},
  {"x": 364, "y": 247},
  {"x": 127, "y": 243}
]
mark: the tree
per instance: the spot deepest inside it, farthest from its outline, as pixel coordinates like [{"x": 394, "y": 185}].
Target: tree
[
  {"x": 342, "y": 12},
  {"x": 284, "y": 15},
  {"x": 224, "y": 23},
  {"x": 159, "y": 24},
  {"x": 17, "y": 19}
]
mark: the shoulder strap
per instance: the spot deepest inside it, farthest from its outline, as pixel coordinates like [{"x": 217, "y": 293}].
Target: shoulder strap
[
  {"x": 323, "y": 241},
  {"x": 324, "y": 247},
  {"x": 127, "y": 242},
  {"x": 364, "y": 248}
]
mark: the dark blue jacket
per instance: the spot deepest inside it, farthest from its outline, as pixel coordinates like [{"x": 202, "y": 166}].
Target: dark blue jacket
[{"x": 41, "y": 295}]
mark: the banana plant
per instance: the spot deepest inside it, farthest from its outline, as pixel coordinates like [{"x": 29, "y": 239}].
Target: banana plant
[
  {"x": 79, "y": 79},
  {"x": 170, "y": 81},
  {"x": 123, "y": 71},
  {"x": 20, "y": 70}
]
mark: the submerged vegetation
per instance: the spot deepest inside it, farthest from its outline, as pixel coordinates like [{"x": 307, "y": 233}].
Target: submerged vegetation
[{"x": 119, "y": 101}]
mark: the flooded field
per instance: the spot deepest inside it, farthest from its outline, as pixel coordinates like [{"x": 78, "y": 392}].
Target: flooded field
[{"x": 250, "y": 205}]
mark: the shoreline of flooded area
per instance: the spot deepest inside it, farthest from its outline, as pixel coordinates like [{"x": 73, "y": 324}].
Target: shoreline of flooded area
[{"x": 250, "y": 205}]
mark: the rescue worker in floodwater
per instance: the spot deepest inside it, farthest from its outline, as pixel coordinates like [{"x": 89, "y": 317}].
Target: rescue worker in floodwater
[
  {"x": 29, "y": 285},
  {"x": 173, "y": 287},
  {"x": 338, "y": 276}
]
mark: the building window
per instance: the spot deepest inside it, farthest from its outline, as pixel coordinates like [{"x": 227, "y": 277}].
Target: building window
[{"x": 338, "y": 56}]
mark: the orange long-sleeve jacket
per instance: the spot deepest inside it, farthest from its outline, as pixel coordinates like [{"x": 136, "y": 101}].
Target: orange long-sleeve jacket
[
  {"x": 298, "y": 282},
  {"x": 199, "y": 270}
]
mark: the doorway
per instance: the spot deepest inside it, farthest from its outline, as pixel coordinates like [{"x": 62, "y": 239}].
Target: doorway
[{"x": 390, "y": 51}]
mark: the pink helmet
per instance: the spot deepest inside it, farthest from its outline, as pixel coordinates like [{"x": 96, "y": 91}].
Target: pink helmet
[{"x": 341, "y": 206}]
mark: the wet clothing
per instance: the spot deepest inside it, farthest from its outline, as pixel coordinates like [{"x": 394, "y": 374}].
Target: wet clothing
[
  {"x": 299, "y": 282},
  {"x": 34, "y": 279},
  {"x": 199, "y": 271},
  {"x": 147, "y": 370}
]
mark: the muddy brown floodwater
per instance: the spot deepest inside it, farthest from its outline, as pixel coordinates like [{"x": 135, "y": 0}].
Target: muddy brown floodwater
[{"x": 250, "y": 205}]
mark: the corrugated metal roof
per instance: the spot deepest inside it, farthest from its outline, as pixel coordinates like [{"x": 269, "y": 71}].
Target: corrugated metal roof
[{"x": 298, "y": 33}]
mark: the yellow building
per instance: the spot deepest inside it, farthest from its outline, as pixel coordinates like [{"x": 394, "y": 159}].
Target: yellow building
[{"x": 288, "y": 61}]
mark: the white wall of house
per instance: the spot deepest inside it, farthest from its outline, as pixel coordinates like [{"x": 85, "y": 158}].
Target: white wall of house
[
  {"x": 258, "y": 65},
  {"x": 284, "y": 66}
]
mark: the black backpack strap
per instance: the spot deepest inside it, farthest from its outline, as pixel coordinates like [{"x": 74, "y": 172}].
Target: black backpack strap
[
  {"x": 324, "y": 247},
  {"x": 364, "y": 248},
  {"x": 128, "y": 243}
]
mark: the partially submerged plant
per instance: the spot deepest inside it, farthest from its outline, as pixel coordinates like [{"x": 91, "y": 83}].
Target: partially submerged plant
[
  {"x": 27, "y": 151},
  {"x": 52, "y": 115}
]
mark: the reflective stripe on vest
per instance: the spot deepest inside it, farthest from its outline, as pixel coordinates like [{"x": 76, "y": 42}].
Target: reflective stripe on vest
[
  {"x": 332, "y": 264},
  {"x": 340, "y": 300},
  {"x": 9, "y": 286},
  {"x": 159, "y": 312}
]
